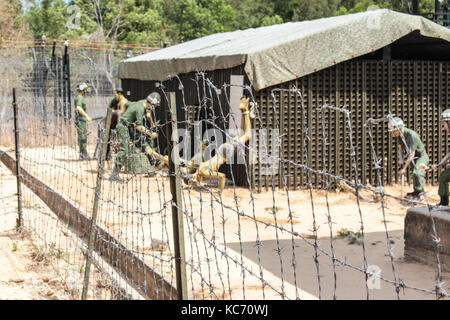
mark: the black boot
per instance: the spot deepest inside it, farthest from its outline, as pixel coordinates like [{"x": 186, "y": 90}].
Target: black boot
[
  {"x": 115, "y": 174},
  {"x": 415, "y": 195},
  {"x": 444, "y": 201}
]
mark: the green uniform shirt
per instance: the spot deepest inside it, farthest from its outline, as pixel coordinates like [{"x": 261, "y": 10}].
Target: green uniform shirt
[
  {"x": 114, "y": 104},
  {"x": 79, "y": 102},
  {"x": 135, "y": 113},
  {"x": 412, "y": 141}
]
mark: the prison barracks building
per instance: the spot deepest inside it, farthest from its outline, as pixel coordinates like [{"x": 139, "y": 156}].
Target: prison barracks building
[{"x": 371, "y": 63}]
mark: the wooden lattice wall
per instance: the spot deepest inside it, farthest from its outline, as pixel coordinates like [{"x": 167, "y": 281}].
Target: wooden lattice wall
[{"x": 416, "y": 91}]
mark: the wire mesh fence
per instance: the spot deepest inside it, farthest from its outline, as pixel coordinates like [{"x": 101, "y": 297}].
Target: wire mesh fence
[{"x": 185, "y": 228}]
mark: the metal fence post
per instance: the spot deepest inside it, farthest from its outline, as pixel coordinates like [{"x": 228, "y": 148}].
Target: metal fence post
[
  {"x": 19, "y": 225},
  {"x": 54, "y": 69},
  {"x": 177, "y": 204},
  {"x": 69, "y": 97},
  {"x": 65, "y": 89},
  {"x": 98, "y": 186}
]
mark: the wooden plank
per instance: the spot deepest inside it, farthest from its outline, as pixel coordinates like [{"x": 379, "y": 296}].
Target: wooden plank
[
  {"x": 390, "y": 140},
  {"x": 177, "y": 202},
  {"x": 296, "y": 109},
  {"x": 337, "y": 138},
  {"x": 364, "y": 165},
  {"x": 309, "y": 143}
]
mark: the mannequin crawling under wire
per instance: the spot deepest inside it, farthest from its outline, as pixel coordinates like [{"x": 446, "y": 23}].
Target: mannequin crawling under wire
[{"x": 197, "y": 169}]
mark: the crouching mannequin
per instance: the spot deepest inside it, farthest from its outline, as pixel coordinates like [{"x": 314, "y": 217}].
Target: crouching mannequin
[{"x": 130, "y": 126}]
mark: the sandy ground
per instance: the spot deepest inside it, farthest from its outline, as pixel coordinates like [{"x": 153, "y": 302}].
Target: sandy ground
[
  {"x": 25, "y": 274},
  {"x": 34, "y": 266},
  {"x": 235, "y": 238}
]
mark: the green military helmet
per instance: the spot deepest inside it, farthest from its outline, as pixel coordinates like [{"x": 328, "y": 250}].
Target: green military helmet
[
  {"x": 83, "y": 86},
  {"x": 395, "y": 124},
  {"x": 445, "y": 116},
  {"x": 154, "y": 98}
]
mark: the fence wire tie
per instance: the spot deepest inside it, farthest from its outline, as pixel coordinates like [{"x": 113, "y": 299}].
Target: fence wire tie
[
  {"x": 316, "y": 258},
  {"x": 278, "y": 250},
  {"x": 264, "y": 283},
  {"x": 441, "y": 291},
  {"x": 391, "y": 252},
  {"x": 258, "y": 244},
  {"x": 436, "y": 240}
]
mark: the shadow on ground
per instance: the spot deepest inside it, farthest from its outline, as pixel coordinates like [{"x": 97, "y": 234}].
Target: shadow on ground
[{"x": 350, "y": 283}]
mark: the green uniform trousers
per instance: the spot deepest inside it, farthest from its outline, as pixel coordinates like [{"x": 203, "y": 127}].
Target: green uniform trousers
[
  {"x": 82, "y": 134},
  {"x": 125, "y": 135},
  {"x": 444, "y": 179},
  {"x": 419, "y": 175}
]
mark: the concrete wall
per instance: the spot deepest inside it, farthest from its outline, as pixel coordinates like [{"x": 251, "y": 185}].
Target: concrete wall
[{"x": 419, "y": 236}]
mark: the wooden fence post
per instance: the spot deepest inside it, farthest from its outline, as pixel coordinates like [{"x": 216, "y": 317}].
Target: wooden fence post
[{"x": 92, "y": 230}]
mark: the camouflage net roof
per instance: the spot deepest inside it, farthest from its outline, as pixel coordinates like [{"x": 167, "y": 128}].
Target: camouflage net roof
[{"x": 280, "y": 53}]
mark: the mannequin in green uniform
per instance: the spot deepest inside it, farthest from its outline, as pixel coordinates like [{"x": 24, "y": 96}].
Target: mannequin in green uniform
[
  {"x": 444, "y": 178},
  {"x": 118, "y": 102},
  {"x": 118, "y": 106},
  {"x": 81, "y": 120},
  {"x": 132, "y": 127},
  {"x": 416, "y": 150}
]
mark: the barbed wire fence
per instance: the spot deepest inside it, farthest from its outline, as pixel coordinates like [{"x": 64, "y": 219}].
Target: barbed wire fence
[{"x": 168, "y": 233}]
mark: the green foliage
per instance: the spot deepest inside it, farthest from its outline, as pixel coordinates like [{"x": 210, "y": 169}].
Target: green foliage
[
  {"x": 252, "y": 13},
  {"x": 13, "y": 24},
  {"x": 157, "y": 21},
  {"x": 46, "y": 18},
  {"x": 196, "y": 18},
  {"x": 344, "y": 232},
  {"x": 37, "y": 254},
  {"x": 352, "y": 6},
  {"x": 362, "y": 6},
  {"x": 352, "y": 237},
  {"x": 271, "y": 20},
  {"x": 272, "y": 209}
]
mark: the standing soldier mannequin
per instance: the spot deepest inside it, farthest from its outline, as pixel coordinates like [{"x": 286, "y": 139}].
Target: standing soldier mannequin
[
  {"x": 444, "y": 178},
  {"x": 416, "y": 149},
  {"x": 81, "y": 120},
  {"x": 130, "y": 127},
  {"x": 119, "y": 101},
  {"x": 118, "y": 106}
]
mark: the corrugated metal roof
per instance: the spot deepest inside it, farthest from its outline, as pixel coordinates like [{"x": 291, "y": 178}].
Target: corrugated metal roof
[{"x": 280, "y": 53}]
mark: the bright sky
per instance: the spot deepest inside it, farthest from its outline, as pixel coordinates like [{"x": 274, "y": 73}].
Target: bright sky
[{"x": 26, "y": 4}]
